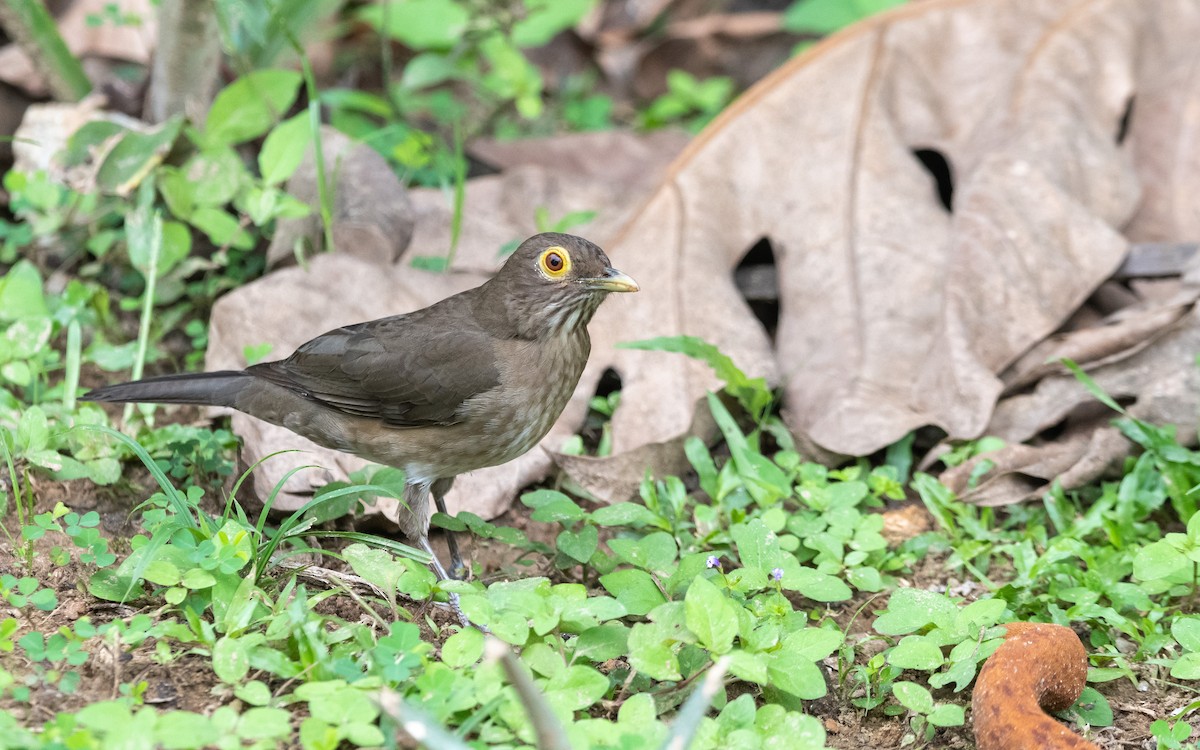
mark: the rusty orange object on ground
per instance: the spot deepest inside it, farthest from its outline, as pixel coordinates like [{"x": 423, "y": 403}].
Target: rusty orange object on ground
[{"x": 1040, "y": 667}]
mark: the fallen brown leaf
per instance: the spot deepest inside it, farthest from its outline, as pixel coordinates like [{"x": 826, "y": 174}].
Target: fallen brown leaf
[
  {"x": 897, "y": 312},
  {"x": 372, "y": 216}
]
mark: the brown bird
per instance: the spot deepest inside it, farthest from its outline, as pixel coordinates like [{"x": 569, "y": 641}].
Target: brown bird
[{"x": 474, "y": 380}]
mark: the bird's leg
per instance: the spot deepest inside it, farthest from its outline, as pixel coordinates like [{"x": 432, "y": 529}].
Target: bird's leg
[
  {"x": 440, "y": 572},
  {"x": 439, "y": 489},
  {"x": 415, "y": 525}
]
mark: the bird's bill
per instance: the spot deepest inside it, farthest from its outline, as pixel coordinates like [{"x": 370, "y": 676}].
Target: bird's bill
[{"x": 613, "y": 281}]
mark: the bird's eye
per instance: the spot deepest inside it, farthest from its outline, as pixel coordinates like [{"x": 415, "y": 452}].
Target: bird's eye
[{"x": 555, "y": 262}]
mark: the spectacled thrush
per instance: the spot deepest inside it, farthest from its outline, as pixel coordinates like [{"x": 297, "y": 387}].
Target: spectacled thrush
[{"x": 474, "y": 380}]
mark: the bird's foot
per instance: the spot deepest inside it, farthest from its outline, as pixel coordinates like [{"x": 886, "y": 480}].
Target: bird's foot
[{"x": 440, "y": 572}]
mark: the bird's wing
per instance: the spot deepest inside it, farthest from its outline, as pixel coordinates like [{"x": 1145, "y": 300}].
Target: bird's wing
[{"x": 407, "y": 371}]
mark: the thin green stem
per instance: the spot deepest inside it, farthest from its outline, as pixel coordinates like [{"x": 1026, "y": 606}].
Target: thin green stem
[
  {"x": 324, "y": 194},
  {"x": 146, "y": 229},
  {"x": 32, "y": 26}
]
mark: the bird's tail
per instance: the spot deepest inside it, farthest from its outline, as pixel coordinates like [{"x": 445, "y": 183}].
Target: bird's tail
[{"x": 203, "y": 389}]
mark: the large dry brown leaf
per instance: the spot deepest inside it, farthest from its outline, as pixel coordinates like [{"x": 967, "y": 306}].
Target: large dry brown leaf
[
  {"x": 896, "y": 313},
  {"x": 371, "y": 215}
]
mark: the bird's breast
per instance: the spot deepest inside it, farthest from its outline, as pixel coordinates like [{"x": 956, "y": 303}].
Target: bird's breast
[{"x": 537, "y": 380}]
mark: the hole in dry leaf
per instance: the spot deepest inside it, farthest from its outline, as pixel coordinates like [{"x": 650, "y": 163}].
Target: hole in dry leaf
[
  {"x": 610, "y": 382},
  {"x": 1126, "y": 116},
  {"x": 935, "y": 163},
  {"x": 477, "y": 167},
  {"x": 758, "y": 284}
]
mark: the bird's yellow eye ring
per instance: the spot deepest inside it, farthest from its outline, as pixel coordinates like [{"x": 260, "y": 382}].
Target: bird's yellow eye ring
[{"x": 555, "y": 262}]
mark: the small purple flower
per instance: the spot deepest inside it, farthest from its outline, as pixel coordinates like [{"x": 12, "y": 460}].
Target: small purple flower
[
  {"x": 777, "y": 574},
  {"x": 713, "y": 562}
]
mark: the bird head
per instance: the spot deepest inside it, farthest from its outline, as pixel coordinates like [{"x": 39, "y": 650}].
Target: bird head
[{"x": 554, "y": 282}]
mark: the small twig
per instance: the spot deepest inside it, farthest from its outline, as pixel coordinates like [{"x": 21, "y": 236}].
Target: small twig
[
  {"x": 687, "y": 721},
  {"x": 625, "y": 686},
  {"x": 550, "y": 733},
  {"x": 116, "y": 671},
  {"x": 417, "y": 723}
]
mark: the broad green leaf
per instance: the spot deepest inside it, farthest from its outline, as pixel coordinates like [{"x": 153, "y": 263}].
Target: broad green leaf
[
  {"x": 552, "y": 507},
  {"x": 1092, "y": 707},
  {"x": 789, "y": 730},
  {"x": 231, "y": 657},
  {"x": 916, "y": 652},
  {"x": 651, "y": 655},
  {"x": 511, "y": 628},
  {"x": 813, "y": 644},
  {"x": 419, "y": 24},
  {"x": 216, "y": 175},
  {"x": 912, "y": 609},
  {"x": 112, "y": 586},
  {"x": 220, "y": 227},
  {"x": 427, "y": 69},
  {"x": 1186, "y": 630},
  {"x": 177, "y": 191},
  {"x": 161, "y": 573},
  {"x": 749, "y": 667},
  {"x": 912, "y": 696},
  {"x": 512, "y": 76},
  {"x": 757, "y": 546},
  {"x": 865, "y": 579},
  {"x": 254, "y": 692},
  {"x": 463, "y": 649},
  {"x": 1187, "y": 667},
  {"x": 654, "y": 552},
  {"x": 576, "y": 688},
  {"x": 135, "y": 155},
  {"x": 33, "y": 431},
  {"x": 198, "y": 578},
  {"x": 635, "y": 589},
  {"x": 284, "y": 149},
  {"x": 264, "y": 722},
  {"x": 185, "y": 729},
  {"x": 602, "y": 642},
  {"x": 376, "y": 566},
  {"x": 546, "y": 18},
  {"x": 21, "y": 292},
  {"x": 946, "y": 715},
  {"x": 248, "y": 107},
  {"x": 176, "y": 245},
  {"x": 819, "y": 587},
  {"x": 794, "y": 674},
  {"x": 711, "y": 615},
  {"x": 625, "y": 514},
  {"x": 88, "y": 140},
  {"x": 579, "y": 545},
  {"x": 980, "y": 614},
  {"x": 1158, "y": 560}
]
